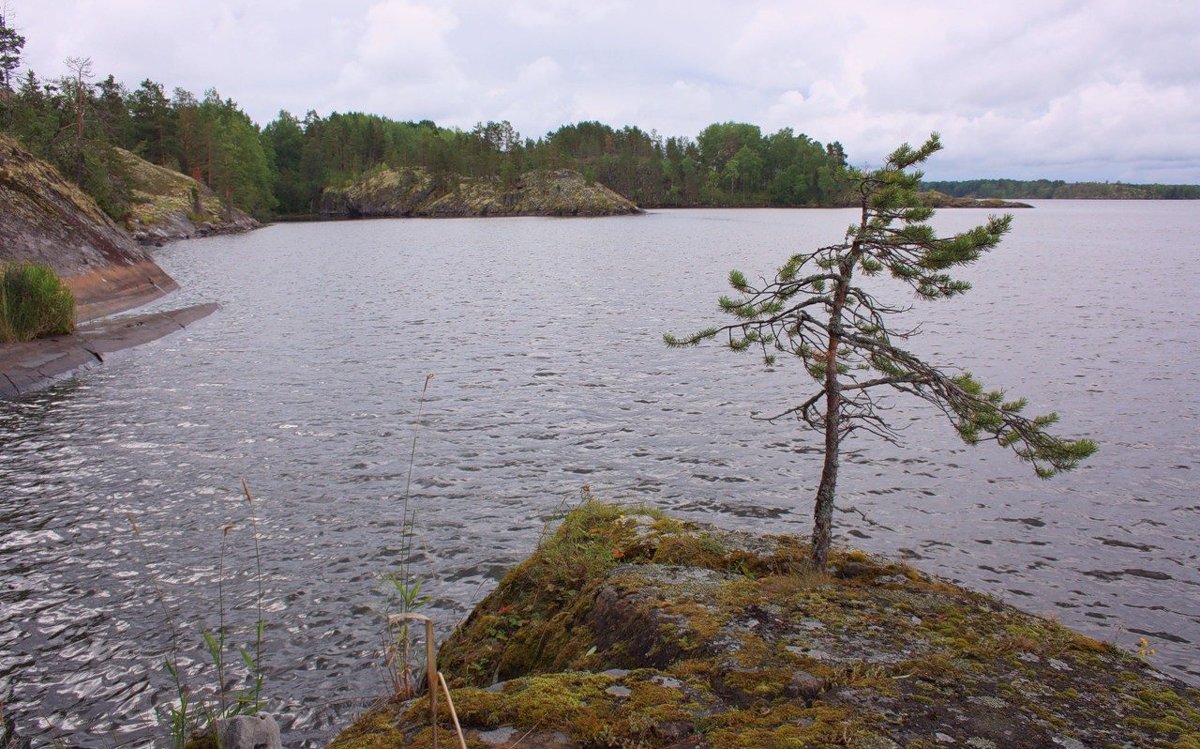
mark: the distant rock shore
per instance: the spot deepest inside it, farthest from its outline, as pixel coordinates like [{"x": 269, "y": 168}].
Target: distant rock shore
[
  {"x": 936, "y": 199},
  {"x": 416, "y": 193},
  {"x": 169, "y": 206}
]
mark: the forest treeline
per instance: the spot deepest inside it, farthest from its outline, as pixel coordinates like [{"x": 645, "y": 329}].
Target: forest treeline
[
  {"x": 74, "y": 122},
  {"x": 1017, "y": 189}
]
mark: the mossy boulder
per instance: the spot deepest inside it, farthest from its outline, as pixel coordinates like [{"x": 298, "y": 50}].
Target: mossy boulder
[
  {"x": 629, "y": 629},
  {"x": 416, "y": 193}
]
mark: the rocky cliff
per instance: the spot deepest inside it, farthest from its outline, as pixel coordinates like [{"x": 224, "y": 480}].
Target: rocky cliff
[
  {"x": 627, "y": 628},
  {"x": 414, "y": 192},
  {"x": 167, "y": 205},
  {"x": 45, "y": 219}
]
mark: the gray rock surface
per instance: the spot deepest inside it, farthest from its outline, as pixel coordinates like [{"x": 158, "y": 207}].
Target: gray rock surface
[
  {"x": 25, "y": 367},
  {"x": 251, "y": 732}
]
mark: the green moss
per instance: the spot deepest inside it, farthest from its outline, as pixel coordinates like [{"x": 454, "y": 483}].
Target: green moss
[{"x": 753, "y": 649}]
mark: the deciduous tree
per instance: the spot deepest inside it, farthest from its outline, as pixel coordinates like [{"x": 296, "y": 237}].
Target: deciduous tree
[{"x": 841, "y": 333}]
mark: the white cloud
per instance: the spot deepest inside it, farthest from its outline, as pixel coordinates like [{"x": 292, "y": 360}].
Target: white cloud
[
  {"x": 1056, "y": 88},
  {"x": 403, "y": 63}
]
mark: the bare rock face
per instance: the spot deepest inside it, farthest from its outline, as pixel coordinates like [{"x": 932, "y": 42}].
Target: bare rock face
[
  {"x": 413, "y": 193},
  {"x": 45, "y": 219}
]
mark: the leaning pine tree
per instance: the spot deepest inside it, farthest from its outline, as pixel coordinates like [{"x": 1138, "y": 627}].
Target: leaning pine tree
[{"x": 813, "y": 310}]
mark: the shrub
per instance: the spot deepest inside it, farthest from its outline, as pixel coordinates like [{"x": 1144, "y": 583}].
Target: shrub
[{"x": 34, "y": 303}]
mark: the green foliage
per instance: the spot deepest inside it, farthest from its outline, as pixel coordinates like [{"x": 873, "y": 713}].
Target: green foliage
[
  {"x": 34, "y": 303},
  {"x": 1058, "y": 189},
  {"x": 840, "y": 332},
  {"x": 73, "y": 123},
  {"x": 11, "y": 44}
]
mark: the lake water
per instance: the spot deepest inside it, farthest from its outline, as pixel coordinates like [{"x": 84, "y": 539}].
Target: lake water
[{"x": 544, "y": 339}]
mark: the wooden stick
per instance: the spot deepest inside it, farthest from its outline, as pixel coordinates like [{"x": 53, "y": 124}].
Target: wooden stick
[
  {"x": 462, "y": 743},
  {"x": 431, "y": 672}
]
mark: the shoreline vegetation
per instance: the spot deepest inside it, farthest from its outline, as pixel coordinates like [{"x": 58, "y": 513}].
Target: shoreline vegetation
[
  {"x": 626, "y": 627},
  {"x": 89, "y": 128}
]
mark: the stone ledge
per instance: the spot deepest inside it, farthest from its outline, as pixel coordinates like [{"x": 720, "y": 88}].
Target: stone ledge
[{"x": 25, "y": 367}]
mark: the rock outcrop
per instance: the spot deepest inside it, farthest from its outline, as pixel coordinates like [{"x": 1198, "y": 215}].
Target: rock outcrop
[
  {"x": 628, "y": 628},
  {"x": 45, "y": 219},
  {"x": 32, "y": 365},
  {"x": 936, "y": 199},
  {"x": 167, "y": 206},
  {"x": 414, "y": 192}
]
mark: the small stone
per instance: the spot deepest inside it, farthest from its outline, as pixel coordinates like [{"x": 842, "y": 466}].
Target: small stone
[
  {"x": 673, "y": 730},
  {"x": 978, "y": 742},
  {"x": 616, "y": 673},
  {"x": 804, "y": 684},
  {"x": 1030, "y": 657},
  {"x": 666, "y": 681},
  {"x": 943, "y": 738},
  {"x": 497, "y": 736},
  {"x": 247, "y": 732},
  {"x": 1066, "y": 742},
  {"x": 616, "y": 690},
  {"x": 1058, "y": 665}
]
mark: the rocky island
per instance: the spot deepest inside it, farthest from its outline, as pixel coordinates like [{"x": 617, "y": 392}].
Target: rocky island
[
  {"x": 414, "y": 192},
  {"x": 628, "y": 628}
]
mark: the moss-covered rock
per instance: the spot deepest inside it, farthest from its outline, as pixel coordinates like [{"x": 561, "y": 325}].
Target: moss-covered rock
[
  {"x": 414, "y": 192},
  {"x": 629, "y": 629},
  {"x": 166, "y": 205}
]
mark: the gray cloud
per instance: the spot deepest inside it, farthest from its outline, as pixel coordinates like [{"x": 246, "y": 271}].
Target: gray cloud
[{"x": 1107, "y": 89}]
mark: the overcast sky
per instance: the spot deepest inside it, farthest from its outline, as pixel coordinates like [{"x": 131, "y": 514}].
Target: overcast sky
[{"x": 1102, "y": 89}]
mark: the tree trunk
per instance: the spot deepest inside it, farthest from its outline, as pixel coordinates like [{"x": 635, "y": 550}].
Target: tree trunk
[{"x": 822, "y": 535}]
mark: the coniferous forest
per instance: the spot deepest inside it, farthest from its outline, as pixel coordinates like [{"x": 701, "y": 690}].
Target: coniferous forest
[{"x": 75, "y": 121}]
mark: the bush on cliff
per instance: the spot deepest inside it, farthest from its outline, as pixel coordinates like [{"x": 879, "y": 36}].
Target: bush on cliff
[{"x": 34, "y": 303}]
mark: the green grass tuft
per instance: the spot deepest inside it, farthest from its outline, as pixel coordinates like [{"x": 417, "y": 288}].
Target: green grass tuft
[{"x": 34, "y": 303}]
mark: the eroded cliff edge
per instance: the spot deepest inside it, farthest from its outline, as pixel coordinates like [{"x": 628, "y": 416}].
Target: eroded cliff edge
[
  {"x": 45, "y": 219},
  {"x": 629, "y": 628}
]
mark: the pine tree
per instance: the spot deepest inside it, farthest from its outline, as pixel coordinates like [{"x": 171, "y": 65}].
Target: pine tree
[
  {"x": 839, "y": 331},
  {"x": 11, "y": 44}
]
